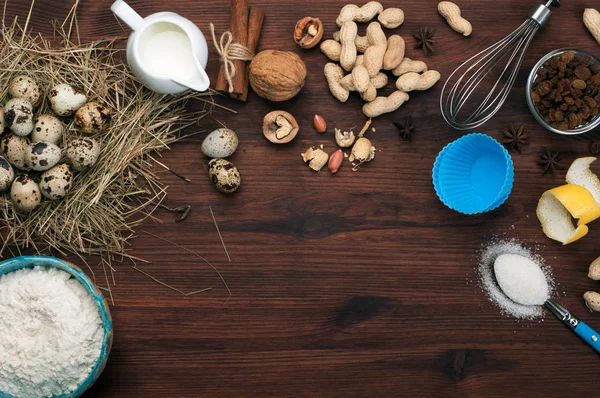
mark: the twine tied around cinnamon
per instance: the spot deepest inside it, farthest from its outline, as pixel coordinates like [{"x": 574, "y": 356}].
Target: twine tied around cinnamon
[{"x": 229, "y": 52}]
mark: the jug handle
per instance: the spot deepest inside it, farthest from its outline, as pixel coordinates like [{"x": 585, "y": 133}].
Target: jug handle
[{"x": 127, "y": 15}]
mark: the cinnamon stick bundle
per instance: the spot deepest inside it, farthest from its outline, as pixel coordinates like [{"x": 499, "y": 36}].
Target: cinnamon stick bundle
[
  {"x": 255, "y": 21},
  {"x": 238, "y": 26},
  {"x": 245, "y": 25}
]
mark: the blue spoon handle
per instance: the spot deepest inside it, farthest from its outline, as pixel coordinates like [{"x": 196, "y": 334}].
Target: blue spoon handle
[{"x": 589, "y": 335}]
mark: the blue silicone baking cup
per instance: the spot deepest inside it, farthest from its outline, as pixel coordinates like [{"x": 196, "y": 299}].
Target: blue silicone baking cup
[
  {"x": 502, "y": 199},
  {"x": 473, "y": 174},
  {"x": 22, "y": 262}
]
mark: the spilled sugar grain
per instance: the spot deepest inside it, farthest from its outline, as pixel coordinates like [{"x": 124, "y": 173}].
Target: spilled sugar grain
[{"x": 490, "y": 287}]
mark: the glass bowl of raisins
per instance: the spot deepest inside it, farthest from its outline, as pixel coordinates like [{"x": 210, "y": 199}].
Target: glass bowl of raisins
[{"x": 563, "y": 91}]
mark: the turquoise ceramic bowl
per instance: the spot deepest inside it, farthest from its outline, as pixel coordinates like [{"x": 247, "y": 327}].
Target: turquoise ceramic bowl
[{"x": 18, "y": 263}]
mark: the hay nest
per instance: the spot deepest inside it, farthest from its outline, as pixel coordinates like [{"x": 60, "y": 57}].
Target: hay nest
[{"x": 109, "y": 200}]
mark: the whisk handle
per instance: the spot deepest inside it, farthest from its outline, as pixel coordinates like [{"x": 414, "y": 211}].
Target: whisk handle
[{"x": 540, "y": 14}]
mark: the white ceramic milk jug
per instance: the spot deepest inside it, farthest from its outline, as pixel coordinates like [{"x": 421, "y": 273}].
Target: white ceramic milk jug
[{"x": 167, "y": 52}]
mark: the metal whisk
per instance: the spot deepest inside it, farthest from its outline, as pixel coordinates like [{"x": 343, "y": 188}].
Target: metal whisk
[{"x": 455, "y": 95}]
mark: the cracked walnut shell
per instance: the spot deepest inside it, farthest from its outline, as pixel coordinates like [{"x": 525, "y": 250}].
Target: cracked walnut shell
[
  {"x": 277, "y": 75},
  {"x": 308, "y": 32},
  {"x": 280, "y": 127}
]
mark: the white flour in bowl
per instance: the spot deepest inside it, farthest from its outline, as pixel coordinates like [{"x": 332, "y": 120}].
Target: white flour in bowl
[{"x": 50, "y": 333}]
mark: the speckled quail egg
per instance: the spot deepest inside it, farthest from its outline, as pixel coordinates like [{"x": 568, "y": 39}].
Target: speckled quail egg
[
  {"x": 42, "y": 156},
  {"x": 55, "y": 183},
  {"x": 92, "y": 117},
  {"x": 14, "y": 149},
  {"x": 221, "y": 143},
  {"x": 18, "y": 116},
  {"x": 25, "y": 193},
  {"x": 7, "y": 174},
  {"x": 224, "y": 175},
  {"x": 25, "y": 87},
  {"x": 65, "y": 99},
  {"x": 47, "y": 128},
  {"x": 83, "y": 153}
]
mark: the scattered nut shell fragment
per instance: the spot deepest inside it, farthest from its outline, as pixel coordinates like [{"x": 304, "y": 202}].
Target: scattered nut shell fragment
[
  {"x": 319, "y": 123},
  {"x": 344, "y": 139},
  {"x": 316, "y": 158},
  {"x": 335, "y": 161},
  {"x": 308, "y": 32},
  {"x": 362, "y": 151},
  {"x": 592, "y": 300},
  {"x": 280, "y": 127},
  {"x": 594, "y": 271}
]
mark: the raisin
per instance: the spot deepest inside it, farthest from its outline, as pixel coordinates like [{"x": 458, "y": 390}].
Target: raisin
[
  {"x": 582, "y": 72},
  {"x": 573, "y": 121},
  {"x": 544, "y": 88},
  {"x": 567, "y": 56},
  {"x": 590, "y": 101},
  {"x": 580, "y": 84}
]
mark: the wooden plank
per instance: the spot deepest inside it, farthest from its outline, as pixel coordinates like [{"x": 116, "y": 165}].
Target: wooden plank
[{"x": 355, "y": 284}]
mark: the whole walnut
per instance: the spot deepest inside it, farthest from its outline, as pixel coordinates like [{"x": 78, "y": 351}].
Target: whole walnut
[{"x": 277, "y": 75}]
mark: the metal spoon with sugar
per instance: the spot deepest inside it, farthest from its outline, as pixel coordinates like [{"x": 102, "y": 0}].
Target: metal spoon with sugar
[{"x": 523, "y": 281}]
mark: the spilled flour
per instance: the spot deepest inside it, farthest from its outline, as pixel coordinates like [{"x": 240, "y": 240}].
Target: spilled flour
[
  {"x": 489, "y": 282},
  {"x": 50, "y": 333}
]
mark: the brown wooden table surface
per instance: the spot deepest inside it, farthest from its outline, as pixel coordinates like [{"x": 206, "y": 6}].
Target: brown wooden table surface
[{"x": 355, "y": 284}]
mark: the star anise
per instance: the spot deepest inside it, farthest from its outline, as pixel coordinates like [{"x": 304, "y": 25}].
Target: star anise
[
  {"x": 405, "y": 128},
  {"x": 425, "y": 40},
  {"x": 594, "y": 148},
  {"x": 515, "y": 138},
  {"x": 549, "y": 160}
]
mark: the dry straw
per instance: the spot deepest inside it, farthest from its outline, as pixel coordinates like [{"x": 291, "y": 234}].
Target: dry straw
[{"x": 108, "y": 201}]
